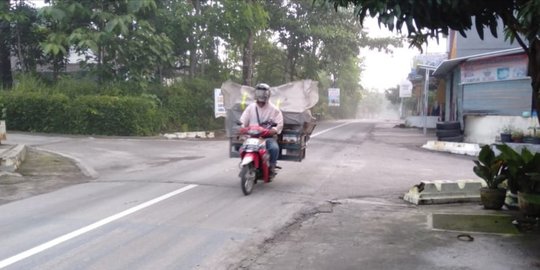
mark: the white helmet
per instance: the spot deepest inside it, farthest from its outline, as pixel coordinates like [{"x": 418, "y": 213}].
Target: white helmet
[{"x": 262, "y": 92}]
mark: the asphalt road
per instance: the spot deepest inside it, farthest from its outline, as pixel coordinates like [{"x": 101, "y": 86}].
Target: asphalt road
[{"x": 177, "y": 204}]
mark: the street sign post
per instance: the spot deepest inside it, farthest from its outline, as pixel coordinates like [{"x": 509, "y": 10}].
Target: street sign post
[
  {"x": 333, "y": 97},
  {"x": 405, "y": 91}
]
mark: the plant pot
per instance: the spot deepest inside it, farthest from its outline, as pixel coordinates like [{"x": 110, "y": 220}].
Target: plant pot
[
  {"x": 517, "y": 139},
  {"x": 528, "y": 139},
  {"x": 506, "y": 137},
  {"x": 492, "y": 198},
  {"x": 529, "y": 203}
]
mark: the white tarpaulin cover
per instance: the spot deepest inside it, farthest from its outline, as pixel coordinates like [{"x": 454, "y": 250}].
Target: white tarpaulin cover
[{"x": 296, "y": 97}]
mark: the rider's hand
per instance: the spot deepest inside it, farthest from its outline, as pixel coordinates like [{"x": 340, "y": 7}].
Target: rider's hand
[{"x": 269, "y": 132}]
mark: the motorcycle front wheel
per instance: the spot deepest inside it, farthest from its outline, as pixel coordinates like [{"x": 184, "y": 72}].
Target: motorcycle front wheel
[{"x": 247, "y": 178}]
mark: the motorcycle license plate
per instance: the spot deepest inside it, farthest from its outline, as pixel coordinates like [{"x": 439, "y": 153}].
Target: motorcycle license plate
[{"x": 252, "y": 141}]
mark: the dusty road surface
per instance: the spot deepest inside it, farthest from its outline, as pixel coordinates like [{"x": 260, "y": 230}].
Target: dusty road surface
[{"x": 177, "y": 204}]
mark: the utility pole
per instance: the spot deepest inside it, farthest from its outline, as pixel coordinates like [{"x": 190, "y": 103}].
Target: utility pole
[{"x": 426, "y": 90}]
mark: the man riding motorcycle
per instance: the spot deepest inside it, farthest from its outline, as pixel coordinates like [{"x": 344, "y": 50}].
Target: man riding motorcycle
[{"x": 264, "y": 113}]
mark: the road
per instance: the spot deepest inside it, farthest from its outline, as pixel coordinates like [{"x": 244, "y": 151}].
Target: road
[{"x": 177, "y": 204}]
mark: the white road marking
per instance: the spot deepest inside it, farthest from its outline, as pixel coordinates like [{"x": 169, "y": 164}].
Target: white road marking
[
  {"x": 33, "y": 251},
  {"x": 329, "y": 129}
]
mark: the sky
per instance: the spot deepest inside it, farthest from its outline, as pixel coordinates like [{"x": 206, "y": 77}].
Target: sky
[{"x": 383, "y": 71}]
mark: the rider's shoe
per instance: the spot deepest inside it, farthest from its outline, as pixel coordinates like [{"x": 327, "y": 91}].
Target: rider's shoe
[{"x": 272, "y": 172}]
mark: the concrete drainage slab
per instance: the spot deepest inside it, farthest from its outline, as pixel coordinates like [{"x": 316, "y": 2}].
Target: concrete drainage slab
[{"x": 497, "y": 224}]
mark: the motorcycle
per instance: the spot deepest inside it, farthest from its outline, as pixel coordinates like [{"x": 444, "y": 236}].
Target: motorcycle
[{"x": 254, "y": 158}]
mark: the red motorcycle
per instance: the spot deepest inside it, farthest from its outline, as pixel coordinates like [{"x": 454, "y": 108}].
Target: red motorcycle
[{"x": 255, "y": 160}]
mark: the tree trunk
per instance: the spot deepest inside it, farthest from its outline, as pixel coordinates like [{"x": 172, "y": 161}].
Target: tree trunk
[
  {"x": 292, "y": 54},
  {"x": 534, "y": 73},
  {"x": 192, "y": 59},
  {"x": 247, "y": 60},
  {"x": 193, "y": 39},
  {"x": 6, "y": 78}
]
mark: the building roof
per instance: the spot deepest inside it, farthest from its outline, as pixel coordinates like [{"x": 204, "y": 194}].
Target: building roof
[{"x": 448, "y": 65}]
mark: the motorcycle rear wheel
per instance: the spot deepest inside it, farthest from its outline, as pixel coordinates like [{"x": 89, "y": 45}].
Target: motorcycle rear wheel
[{"x": 247, "y": 178}]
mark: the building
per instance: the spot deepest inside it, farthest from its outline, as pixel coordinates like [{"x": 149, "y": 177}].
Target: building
[
  {"x": 485, "y": 85},
  {"x": 486, "y": 92}
]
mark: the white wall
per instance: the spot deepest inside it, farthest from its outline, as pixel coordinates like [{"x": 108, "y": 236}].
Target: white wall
[
  {"x": 486, "y": 129},
  {"x": 418, "y": 121}
]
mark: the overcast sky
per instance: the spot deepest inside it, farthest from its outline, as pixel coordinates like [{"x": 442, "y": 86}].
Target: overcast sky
[{"x": 383, "y": 71}]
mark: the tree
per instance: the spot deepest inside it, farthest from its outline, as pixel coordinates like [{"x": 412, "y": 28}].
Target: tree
[
  {"x": 425, "y": 19},
  {"x": 26, "y": 36},
  {"x": 6, "y": 78},
  {"x": 117, "y": 35},
  {"x": 242, "y": 21}
]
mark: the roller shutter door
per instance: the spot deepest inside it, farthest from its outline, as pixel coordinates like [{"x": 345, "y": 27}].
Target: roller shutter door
[{"x": 497, "y": 98}]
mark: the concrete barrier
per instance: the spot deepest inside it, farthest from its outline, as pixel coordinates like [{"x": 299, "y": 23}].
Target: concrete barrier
[
  {"x": 471, "y": 149},
  {"x": 11, "y": 158},
  {"x": 191, "y": 135},
  {"x": 445, "y": 191}
]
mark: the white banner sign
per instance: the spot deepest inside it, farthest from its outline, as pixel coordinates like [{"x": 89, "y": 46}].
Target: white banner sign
[
  {"x": 2, "y": 130},
  {"x": 405, "y": 89},
  {"x": 333, "y": 97},
  {"x": 219, "y": 107}
]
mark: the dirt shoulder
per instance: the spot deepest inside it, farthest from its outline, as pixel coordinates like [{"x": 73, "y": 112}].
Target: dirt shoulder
[{"x": 41, "y": 172}]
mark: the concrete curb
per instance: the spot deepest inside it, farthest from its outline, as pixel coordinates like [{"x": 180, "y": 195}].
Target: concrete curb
[
  {"x": 11, "y": 159},
  {"x": 190, "y": 135},
  {"x": 445, "y": 191},
  {"x": 86, "y": 170},
  {"x": 471, "y": 149}
]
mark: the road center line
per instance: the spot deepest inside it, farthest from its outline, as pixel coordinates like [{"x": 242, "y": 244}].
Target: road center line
[
  {"x": 33, "y": 251},
  {"x": 329, "y": 129}
]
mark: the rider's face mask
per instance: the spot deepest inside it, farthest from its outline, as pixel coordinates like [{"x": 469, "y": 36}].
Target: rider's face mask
[{"x": 262, "y": 95}]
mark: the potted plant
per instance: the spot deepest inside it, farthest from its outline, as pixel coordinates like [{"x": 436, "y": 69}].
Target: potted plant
[
  {"x": 523, "y": 173},
  {"x": 536, "y": 139},
  {"x": 506, "y": 133},
  {"x": 489, "y": 167},
  {"x": 531, "y": 137},
  {"x": 517, "y": 136}
]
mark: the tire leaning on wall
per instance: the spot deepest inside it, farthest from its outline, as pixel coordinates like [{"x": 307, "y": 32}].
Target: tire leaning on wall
[
  {"x": 448, "y": 125},
  {"x": 449, "y": 131}
]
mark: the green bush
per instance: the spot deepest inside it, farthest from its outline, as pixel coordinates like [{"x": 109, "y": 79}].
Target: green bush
[
  {"x": 82, "y": 106},
  {"x": 107, "y": 115},
  {"x": 189, "y": 105},
  {"x": 100, "y": 115},
  {"x": 36, "y": 112}
]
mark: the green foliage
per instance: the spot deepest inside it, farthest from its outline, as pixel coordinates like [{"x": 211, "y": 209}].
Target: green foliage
[
  {"x": 45, "y": 109},
  {"x": 241, "y": 17},
  {"x": 107, "y": 115},
  {"x": 508, "y": 129},
  {"x": 521, "y": 169},
  {"x": 348, "y": 81},
  {"x": 189, "y": 105},
  {"x": 117, "y": 35},
  {"x": 3, "y": 112},
  {"x": 489, "y": 167},
  {"x": 36, "y": 112}
]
